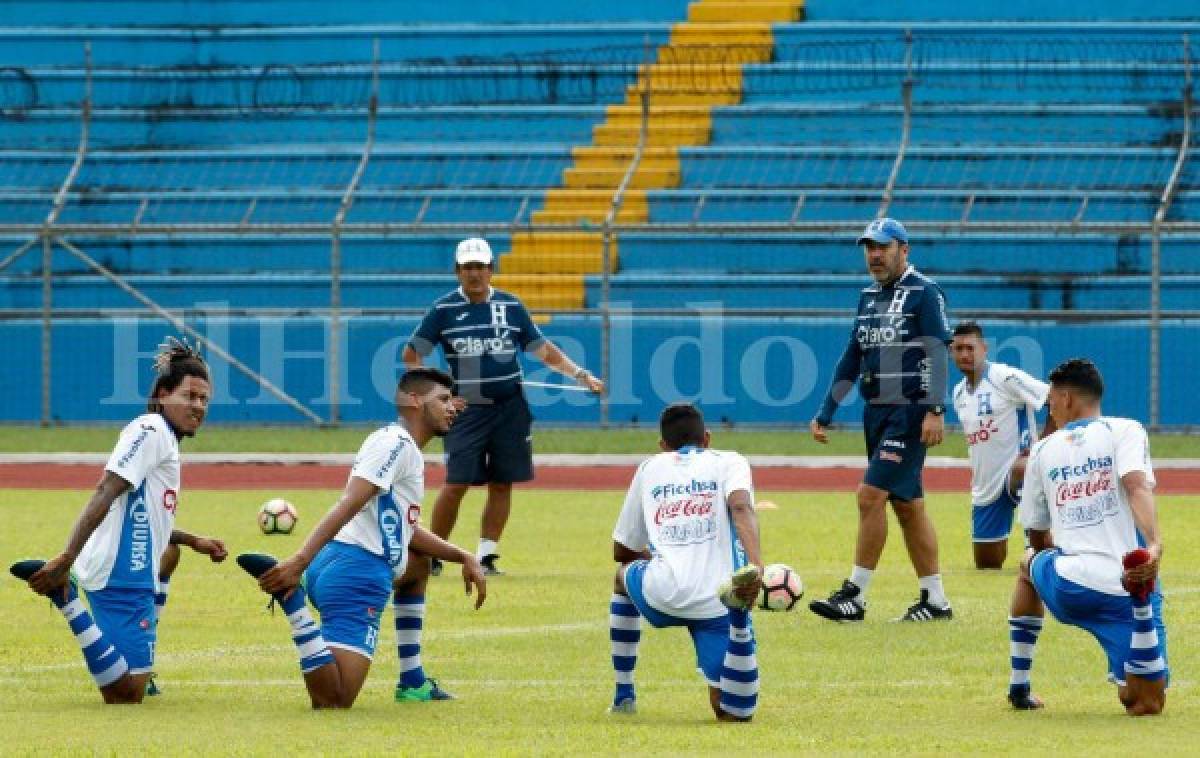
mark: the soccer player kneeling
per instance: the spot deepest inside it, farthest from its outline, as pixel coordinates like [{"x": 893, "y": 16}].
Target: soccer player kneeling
[
  {"x": 1088, "y": 504},
  {"x": 368, "y": 541},
  {"x": 124, "y": 545},
  {"x": 682, "y": 502}
]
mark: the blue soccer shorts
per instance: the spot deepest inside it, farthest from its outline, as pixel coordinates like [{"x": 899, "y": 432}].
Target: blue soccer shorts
[
  {"x": 993, "y": 522},
  {"x": 491, "y": 442},
  {"x": 895, "y": 453},
  {"x": 350, "y": 587},
  {"x": 1109, "y": 618},
  {"x": 129, "y": 622},
  {"x": 710, "y": 637}
]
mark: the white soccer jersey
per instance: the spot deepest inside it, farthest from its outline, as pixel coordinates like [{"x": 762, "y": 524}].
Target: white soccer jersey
[
  {"x": 676, "y": 505},
  {"x": 999, "y": 419},
  {"x": 125, "y": 549},
  {"x": 391, "y": 460},
  {"x": 1073, "y": 490}
]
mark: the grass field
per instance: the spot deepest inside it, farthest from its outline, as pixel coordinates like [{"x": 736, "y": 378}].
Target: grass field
[
  {"x": 531, "y": 669},
  {"x": 304, "y": 439}
]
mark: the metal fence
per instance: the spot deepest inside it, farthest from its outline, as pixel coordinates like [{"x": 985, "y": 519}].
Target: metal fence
[{"x": 912, "y": 143}]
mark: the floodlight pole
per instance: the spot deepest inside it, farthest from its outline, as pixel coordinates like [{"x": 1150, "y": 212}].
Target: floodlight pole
[
  {"x": 60, "y": 201},
  {"x": 1160, "y": 216},
  {"x": 335, "y": 248},
  {"x": 606, "y": 235}
]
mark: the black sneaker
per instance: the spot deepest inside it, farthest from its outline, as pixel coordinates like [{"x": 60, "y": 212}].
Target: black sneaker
[
  {"x": 1022, "y": 699},
  {"x": 489, "y": 565},
  {"x": 435, "y": 567},
  {"x": 923, "y": 611},
  {"x": 843, "y": 605}
]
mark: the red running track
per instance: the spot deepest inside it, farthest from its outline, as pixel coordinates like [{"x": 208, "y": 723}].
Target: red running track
[{"x": 242, "y": 476}]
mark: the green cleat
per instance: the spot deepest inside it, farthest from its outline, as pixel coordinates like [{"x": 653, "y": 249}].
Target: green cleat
[
  {"x": 423, "y": 694},
  {"x": 746, "y": 575}
]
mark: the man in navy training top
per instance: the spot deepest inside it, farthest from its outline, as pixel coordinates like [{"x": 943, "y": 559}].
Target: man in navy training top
[
  {"x": 480, "y": 331},
  {"x": 897, "y": 353}
]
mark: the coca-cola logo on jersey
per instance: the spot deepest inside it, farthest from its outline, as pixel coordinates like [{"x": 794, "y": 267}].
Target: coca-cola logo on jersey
[
  {"x": 1099, "y": 481},
  {"x": 682, "y": 508}
]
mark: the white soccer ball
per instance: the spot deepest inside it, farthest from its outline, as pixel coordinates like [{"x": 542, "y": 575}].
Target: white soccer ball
[
  {"x": 277, "y": 516},
  {"x": 782, "y": 588}
]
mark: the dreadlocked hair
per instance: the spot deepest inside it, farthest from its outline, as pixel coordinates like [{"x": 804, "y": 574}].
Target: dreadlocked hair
[{"x": 174, "y": 361}]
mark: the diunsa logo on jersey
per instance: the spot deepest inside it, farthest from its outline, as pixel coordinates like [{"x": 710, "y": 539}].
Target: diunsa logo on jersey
[{"x": 139, "y": 535}]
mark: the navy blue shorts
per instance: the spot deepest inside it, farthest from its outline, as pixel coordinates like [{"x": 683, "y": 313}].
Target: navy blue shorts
[
  {"x": 992, "y": 522},
  {"x": 895, "y": 453},
  {"x": 491, "y": 443},
  {"x": 710, "y": 637},
  {"x": 129, "y": 621}
]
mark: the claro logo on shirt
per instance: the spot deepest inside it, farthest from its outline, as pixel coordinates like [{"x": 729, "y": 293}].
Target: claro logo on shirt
[
  {"x": 476, "y": 346},
  {"x": 139, "y": 535}
]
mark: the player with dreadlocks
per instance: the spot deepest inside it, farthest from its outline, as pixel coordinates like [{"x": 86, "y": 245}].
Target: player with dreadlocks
[{"x": 124, "y": 545}]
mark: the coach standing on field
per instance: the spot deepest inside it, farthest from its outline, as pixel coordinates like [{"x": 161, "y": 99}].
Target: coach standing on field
[
  {"x": 481, "y": 330},
  {"x": 897, "y": 353}
]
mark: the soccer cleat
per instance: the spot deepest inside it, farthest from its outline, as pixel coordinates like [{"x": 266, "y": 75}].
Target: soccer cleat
[
  {"x": 489, "y": 565},
  {"x": 27, "y": 568},
  {"x": 435, "y": 567},
  {"x": 152, "y": 689},
  {"x": 844, "y": 604},
  {"x": 428, "y": 691},
  {"x": 923, "y": 611},
  {"x": 626, "y": 706},
  {"x": 256, "y": 564},
  {"x": 743, "y": 577},
  {"x": 1021, "y": 699}
]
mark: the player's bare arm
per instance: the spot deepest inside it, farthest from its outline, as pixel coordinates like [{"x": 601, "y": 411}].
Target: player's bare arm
[
  {"x": 1145, "y": 517},
  {"x": 54, "y": 574},
  {"x": 210, "y": 546},
  {"x": 548, "y": 353},
  {"x": 428, "y": 543},
  {"x": 285, "y": 576},
  {"x": 745, "y": 525}
]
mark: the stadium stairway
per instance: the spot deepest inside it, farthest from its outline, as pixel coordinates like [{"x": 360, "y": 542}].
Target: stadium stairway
[{"x": 699, "y": 68}]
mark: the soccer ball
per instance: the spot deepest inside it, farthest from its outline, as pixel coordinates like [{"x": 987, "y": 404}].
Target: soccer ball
[
  {"x": 277, "y": 516},
  {"x": 782, "y": 588}
]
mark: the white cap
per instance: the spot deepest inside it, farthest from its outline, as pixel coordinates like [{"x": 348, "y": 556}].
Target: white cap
[{"x": 473, "y": 250}]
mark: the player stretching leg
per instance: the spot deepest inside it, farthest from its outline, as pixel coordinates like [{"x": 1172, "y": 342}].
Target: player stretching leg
[
  {"x": 353, "y": 555},
  {"x": 683, "y": 501},
  {"x": 996, "y": 405},
  {"x": 1085, "y": 562},
  {"x": 118, "y": 543}
]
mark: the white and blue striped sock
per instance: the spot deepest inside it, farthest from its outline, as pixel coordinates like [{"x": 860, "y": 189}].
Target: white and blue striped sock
[
  {"x": 1023, "y": 634},
  {"x": 306, "y": 632},
  {"x": 624, "y": 633},
  {"x": 410, "y": 617},
  {"x": 1146, "y": 658},
  {"x": 104, "y": 662},
  {"x": 739, "y": 673}
]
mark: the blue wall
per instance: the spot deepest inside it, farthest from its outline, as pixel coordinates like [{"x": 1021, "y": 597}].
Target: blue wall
[{"x": 764, "y": 371}]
